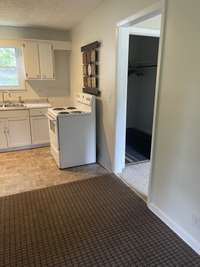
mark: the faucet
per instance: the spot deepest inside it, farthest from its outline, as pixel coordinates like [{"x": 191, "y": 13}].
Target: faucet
[
  {"x": 20, "y": 100},
  {"x": 9, "y": 95},
  {"x": 3, "y": 97},
  {"x": 4, "y": 101}
]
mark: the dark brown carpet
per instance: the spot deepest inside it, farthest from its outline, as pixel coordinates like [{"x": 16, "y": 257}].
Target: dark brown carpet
[{"x": 96, "y": 222}]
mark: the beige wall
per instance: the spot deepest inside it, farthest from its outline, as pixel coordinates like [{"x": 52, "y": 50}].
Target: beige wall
[
  {"x": 8, "y": 32},
  {"x": 58, "y": 91},
  {"x": 176, "y": 170},
  {"x": 101, "y": 26}
]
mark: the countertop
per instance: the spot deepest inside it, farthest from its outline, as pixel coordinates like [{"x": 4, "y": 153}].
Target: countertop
[
  {"x": 27, "y": 106},
  {"x": 37, "y": 105}
]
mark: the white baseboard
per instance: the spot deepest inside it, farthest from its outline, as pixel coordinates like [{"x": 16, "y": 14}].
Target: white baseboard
[
  {"x": 187, "y": 238},
  {"x": 24, "y": 147}
]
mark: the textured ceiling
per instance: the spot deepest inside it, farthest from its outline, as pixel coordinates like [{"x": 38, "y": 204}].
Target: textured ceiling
[{"x": 58, "y": 14}]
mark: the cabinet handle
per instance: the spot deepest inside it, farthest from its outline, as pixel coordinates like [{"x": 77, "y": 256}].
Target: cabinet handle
[{"x": 6, "y": 131}]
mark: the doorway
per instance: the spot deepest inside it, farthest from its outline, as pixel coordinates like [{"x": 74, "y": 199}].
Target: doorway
[
  {"x": 141, "y": 85},
  {"x": 142, "y": 73},
  {"x": 139, "y": 52}
]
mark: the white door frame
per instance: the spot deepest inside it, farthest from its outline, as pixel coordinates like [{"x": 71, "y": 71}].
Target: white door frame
[{"x": 122, "y": 81}]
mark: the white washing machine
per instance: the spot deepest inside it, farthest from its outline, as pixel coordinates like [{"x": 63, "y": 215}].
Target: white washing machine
[{"x": 73, "y": 132}]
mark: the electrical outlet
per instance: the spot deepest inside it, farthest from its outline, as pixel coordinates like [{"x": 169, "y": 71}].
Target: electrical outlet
[{"x": 196, "y": 220}]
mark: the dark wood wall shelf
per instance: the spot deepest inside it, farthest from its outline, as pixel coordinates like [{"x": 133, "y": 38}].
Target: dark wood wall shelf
[{"x": 90, "y": 58}]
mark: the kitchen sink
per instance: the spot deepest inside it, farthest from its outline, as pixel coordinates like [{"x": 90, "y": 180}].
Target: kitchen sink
[{"x": 12, "y": 106}]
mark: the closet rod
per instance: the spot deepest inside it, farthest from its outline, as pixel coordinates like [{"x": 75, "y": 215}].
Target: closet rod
[{"x": 143, "y": 66}]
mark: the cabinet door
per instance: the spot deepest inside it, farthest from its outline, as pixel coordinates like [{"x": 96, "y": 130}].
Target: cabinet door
[
  {"x": 46, "y": 56},
  {"x": 31, "y": 60},
  {"x": 3, "y": 137},
  {"x": 39, "y": 130},
  {"x": 19, "y": 132}
]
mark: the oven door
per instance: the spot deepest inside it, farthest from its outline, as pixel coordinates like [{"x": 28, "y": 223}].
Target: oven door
[{"x": 53, "y": 132}]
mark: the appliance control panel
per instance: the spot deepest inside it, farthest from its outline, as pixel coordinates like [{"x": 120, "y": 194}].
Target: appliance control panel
[{"x": 85, "y": 99}]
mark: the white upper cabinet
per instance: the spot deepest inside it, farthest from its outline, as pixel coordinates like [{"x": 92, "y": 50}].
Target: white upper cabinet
[
  {"x": 38, "y": 60},
  {"x": 31, "y": 60},
  {"x": 46, "y": 60}
]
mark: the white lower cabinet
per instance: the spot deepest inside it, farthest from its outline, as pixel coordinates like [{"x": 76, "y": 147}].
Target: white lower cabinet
[
  {"x": 39, "y": 130},
  {"x": 19, "y": 129},
  {"x": 18, "y": 132},
  {"x": 3, "y": 134}
]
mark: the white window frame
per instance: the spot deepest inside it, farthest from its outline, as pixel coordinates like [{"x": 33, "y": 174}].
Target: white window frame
[{"x": 20, "y": 70}]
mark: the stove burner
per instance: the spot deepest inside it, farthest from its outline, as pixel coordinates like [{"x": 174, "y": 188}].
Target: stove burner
[
  {"x": 71, "y": 108},
  {"x": 58, "y": 109},
  {"x": 63, "y": 112},
  {"x": 76, "y": 112}
]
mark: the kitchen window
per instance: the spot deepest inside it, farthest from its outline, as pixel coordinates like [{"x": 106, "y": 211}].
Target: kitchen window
[{"x": 11, "y": 69}]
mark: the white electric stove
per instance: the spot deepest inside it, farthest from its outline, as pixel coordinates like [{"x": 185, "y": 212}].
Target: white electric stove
[{"x": 73, "y": 132}]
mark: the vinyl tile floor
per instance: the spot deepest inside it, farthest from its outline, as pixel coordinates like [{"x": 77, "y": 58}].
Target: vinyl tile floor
[
  {"x": 27, "y": 170},
  {"x": 137, "y": 177}
]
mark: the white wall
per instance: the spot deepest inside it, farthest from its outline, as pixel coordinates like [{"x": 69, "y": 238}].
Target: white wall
[
  {"x": 175, "y": 187},
  {"x": 152, "y": 23},
  {"x": 101, "y": 25},
  {"x": 58, "y": 91}
]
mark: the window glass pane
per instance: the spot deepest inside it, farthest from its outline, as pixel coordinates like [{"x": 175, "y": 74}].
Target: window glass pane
[{"x": 8, "y": 67}]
